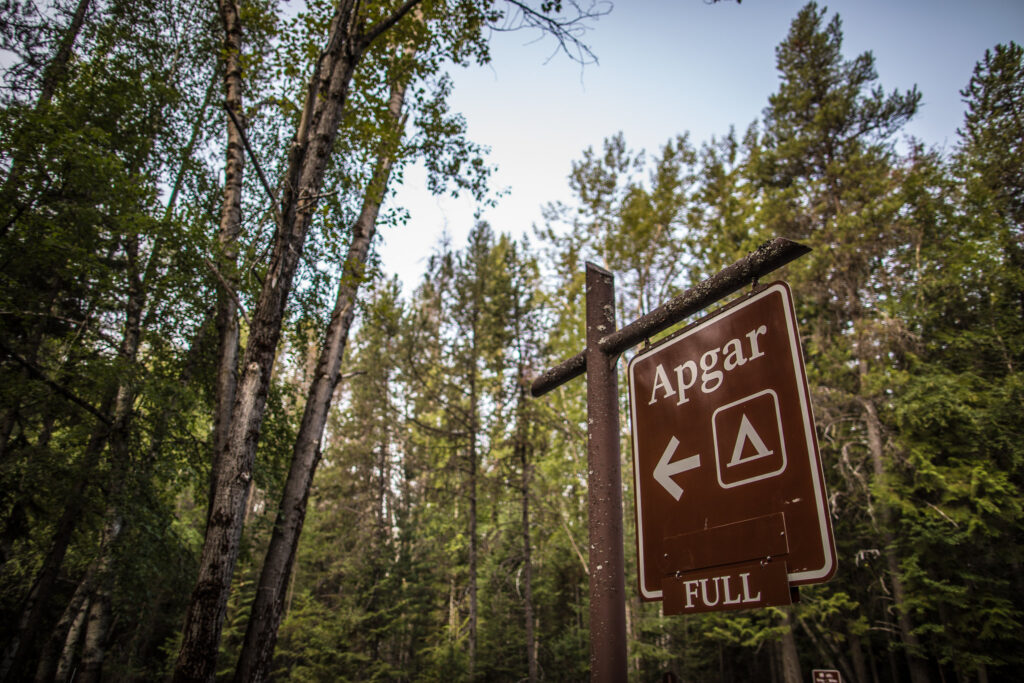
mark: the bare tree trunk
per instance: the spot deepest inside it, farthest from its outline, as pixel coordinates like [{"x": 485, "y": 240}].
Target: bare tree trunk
[
  {"x": 790, "y": 658},
  {"x": 308, "y": 156},
  {"x": 227, "y": 239},
  {"x": 531, "y": 652},
  {"x": 307, "y": 162},
  {"x": 66, "y": 635},
  {"x": 453, "y": 616},
  {"x": 860, "y": 669},
  {"x": 97, "y": 629},
  {"x": 267, "y": 609},
  {"x": 35, "y": 604},
  {"x": 473, "y": 542},
  {"x": 66, "y": 662},
  {"x": 911, "y": 645}
]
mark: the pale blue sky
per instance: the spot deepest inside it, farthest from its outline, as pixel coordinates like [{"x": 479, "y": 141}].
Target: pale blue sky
[{"x": 669, "y": 66}]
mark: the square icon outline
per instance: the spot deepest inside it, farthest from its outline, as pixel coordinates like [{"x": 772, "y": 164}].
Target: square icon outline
[{"x": 782, "y": 440}]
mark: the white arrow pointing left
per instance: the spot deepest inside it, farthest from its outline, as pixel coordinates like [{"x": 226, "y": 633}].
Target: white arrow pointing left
[{"x": 665, "y": 469}]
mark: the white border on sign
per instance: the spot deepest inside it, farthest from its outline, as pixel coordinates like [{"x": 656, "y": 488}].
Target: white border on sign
[{"x": 808, "y": 422}]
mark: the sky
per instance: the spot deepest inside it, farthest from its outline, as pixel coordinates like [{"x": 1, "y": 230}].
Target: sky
[{"x": 666, "y": 67}]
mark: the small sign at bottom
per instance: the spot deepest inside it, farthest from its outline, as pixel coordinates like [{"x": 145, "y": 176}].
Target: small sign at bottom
[
  {"x": 825, "y": 676},
  {"x": 729, "y": 587}
]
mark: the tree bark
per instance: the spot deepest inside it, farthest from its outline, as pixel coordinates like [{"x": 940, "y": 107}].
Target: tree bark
[
  {"x": 64, "y": 639},
  {"x": 860, "y": 668},
  {"x": 227, "y": 239},
  {"x": 531, "y": 652},
  {"x": 267, "y": 609},
  {"x": 912, "y": 646},
  {"x": 790, "y": 658},
  {"x": 307, "y": 162},
  {"x": 97, "y": 628},
  {"x": 66, "y": 662},
  {"x": 35, "y": 604}
]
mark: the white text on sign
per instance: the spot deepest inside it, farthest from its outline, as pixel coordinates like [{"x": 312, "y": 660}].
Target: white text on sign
[
  {"x": 711, "y": 591},
  {"x": 711, "y": 378},
  {"x": 736, "y": 586}
]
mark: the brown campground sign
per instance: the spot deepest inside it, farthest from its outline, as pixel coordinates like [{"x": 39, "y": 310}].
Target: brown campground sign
[{"x": 731, "y": 507}]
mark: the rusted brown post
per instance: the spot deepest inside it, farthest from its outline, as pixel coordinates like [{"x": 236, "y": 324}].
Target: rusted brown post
[{"x": 607, "y": 569}]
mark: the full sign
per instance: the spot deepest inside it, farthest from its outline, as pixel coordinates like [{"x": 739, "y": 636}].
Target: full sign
[{"x": 731, "y": 506}]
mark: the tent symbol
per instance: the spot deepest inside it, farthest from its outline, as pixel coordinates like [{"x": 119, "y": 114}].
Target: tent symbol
[
  {"x": 749, "y": 445},
  {"x": 748, "y": 435}
]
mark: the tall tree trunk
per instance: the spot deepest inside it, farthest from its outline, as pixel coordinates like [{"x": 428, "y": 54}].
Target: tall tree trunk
[
  {"x": 57, "y": 67},
  {"x": 912, "y": 646},
  {"x": 120, "y": 403},
  {"x": 99, "y": 618},
  {"x": 119, "y": 400},
  {"x": 790, "y": 658},
  {"x": 473, "y": 542},
  {"x": 227, "y": 239},
  {"x": 307, "y": 162},
  {"x": 34, "y": 607},
  {"x": 860, "y": 669},
  {"x": 267, "y": 608},
  {"x": 64, "y": 639},
  {"x": 308, "y": 157},
  {"x": 65, "y": 664},
  {"x": 531, "y": 653},
  {"x": 97, "y": 629},
  {"x": 100, "y": 575}
]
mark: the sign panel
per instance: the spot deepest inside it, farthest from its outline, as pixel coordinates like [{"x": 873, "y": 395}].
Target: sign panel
[
  {"x": 725, "y": 459},
  {"x": 734, "y": 586},
  {"x": 825, "y": 676}
]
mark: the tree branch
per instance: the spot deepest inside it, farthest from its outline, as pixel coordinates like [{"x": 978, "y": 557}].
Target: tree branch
[
  {"x": 387, "y": 22},
  {"x": 256, "y": 163},
  {"x": 41, "y": 375},
  {"x": 566, "y": 30},
  {"x": 227, "y": 286}
]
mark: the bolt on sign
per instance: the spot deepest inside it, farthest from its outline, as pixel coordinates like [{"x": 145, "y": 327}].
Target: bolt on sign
[{"x": 731, "y": 508}]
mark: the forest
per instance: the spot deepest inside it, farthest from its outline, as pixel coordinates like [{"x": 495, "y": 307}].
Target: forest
[{"x": 233, "y": 448}]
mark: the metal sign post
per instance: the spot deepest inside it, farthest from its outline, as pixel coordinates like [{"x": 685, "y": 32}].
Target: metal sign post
[
  {"x": 604, "y": 484},
  {"x": 604, "y": 345}
]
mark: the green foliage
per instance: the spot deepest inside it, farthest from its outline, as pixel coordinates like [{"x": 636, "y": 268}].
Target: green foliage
[{"x": 416, "y": 563}]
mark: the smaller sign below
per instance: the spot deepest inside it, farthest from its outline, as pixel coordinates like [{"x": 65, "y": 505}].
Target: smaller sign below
[
  {"x": 825, "y": 676},
  {"x": 734, "y": 586}
]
